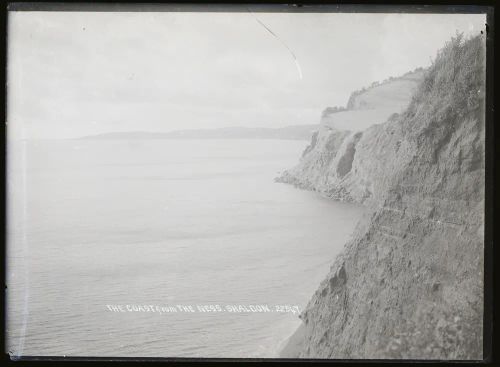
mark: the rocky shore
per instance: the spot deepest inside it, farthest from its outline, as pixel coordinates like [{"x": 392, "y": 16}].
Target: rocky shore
[{"x": 409, "y": 284}]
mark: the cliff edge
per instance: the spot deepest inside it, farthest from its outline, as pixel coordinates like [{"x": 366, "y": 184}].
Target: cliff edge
[
  {"x": 409, "y": 284},
  {"x": 329, "y": 164}
]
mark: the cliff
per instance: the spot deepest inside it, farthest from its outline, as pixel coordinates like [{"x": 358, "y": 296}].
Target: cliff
[
  {"x": 409, "y": 284},
  {"x": 329, "y": 164}
]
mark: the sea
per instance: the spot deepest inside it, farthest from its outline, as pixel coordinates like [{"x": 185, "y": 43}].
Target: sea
[{"x": 162, "y": 248}]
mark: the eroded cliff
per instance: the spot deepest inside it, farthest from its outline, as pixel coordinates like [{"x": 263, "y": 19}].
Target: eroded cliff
[
  {"x": 409, "y": 284},
  {"x": 335, "y": 162}
]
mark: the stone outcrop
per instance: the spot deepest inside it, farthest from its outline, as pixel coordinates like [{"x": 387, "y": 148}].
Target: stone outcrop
[
  {"x": 329, "y": 164},
  {"x": 409, "y": 284}
]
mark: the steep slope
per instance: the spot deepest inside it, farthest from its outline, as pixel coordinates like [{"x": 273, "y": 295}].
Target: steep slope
[
  {"x": 329, "y": 164},
  {"x": 410, "y": 282}
]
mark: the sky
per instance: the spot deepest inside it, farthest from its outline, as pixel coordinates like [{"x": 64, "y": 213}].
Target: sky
[{"x": 72, "y": 74}]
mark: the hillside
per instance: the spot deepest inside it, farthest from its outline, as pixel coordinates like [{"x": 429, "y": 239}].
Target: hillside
[
  {"x": 327, "y": 166},
  {"x": 375, "y": 104},
  {"x": 409, "y": 284}
]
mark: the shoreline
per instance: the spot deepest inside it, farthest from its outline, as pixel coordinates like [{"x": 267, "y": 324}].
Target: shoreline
[{"x": 291, "y": 346}]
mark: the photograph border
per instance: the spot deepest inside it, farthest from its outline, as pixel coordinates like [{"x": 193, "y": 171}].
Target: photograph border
[{"x": 491, "y": 279}]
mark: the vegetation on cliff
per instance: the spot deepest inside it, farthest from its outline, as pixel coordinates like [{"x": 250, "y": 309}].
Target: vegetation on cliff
[{"x": 410, "y": 282}]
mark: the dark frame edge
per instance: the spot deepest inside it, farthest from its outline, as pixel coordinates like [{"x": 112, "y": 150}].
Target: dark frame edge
[{"x": 492, "y": 199}]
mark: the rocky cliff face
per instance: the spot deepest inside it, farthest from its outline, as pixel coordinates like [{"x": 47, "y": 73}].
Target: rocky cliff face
[
  {"x": 335, "y": 162},
  {"x": 410, "y": 282}
]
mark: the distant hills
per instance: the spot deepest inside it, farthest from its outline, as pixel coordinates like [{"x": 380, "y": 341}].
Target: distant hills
[{"x": 296, "y": 132}]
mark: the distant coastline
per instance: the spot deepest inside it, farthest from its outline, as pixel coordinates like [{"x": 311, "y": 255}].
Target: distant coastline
[{"x": 295, "y": 132}]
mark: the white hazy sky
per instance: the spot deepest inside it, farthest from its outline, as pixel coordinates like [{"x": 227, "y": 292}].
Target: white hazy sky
[{"x": 79, "y": 73}]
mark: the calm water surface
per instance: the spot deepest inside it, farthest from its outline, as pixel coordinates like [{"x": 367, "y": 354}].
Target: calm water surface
[{"x": 161, "y": 222}]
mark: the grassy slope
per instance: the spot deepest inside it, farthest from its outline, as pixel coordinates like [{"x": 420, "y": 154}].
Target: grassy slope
[{"x": 376, "y": 104}]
